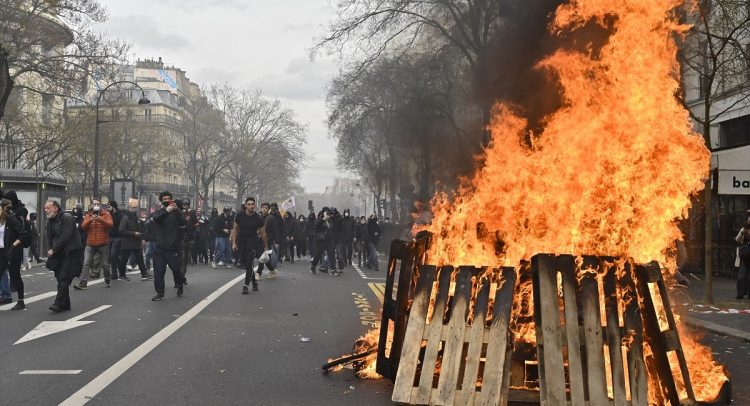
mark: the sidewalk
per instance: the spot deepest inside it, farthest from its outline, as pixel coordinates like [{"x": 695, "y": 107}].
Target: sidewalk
[{"x": 726, "y": 316}]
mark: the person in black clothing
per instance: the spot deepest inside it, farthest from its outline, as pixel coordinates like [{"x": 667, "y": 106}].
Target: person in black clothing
[
  {"x": 150, "y": 238},
  {"x": 201, "y": 232},
  {"x": 310, "y": 234},
  {"x": 211, "y": 243},
  {"x": 249, "y": 241},
  {"x": 360, "y": 245},
  {"x": 169, "y": 226},
  {"x": 131, "y": 239},
  {"x": 346, "y": 239},
  {"x": 324, "y": 240},
  {"x": 13, "y": 234},
  {"x": 372, "y": 235},
  {"x": 64, "y": 255},
  {"x": 191, "y": 221},
  {"x": 222, "y": 226},
  {"x": 34, "y": 238},
  {"x": 115, "y": 256},
  {"x": 273, "y": 234},
  {"x": 289, "y": 237},
  {"x": 300, "y": 236},
  {"x": 336, "y": 262}
]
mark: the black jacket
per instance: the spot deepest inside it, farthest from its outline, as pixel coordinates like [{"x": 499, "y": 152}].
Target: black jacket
[
  {"x": 273, "y": 229},
  {"x": 289, "y": 227},
  {"x": 114, "y": 232},
  {"x": 62, "y": 234},
  {"x": 129, "y": 225},
  {"x": 347, "y": 229},
  {"x": 169, "y": 229},
  {"x": 373, "y": 231},
  {"x": 220, "y": 223},
  {"x": 14, "y": 230},
  {"x": 300, "y": 229},
  {"x": 324, "y": 232}
]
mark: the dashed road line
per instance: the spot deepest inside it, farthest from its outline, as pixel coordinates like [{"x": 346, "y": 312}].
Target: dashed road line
[
  {"x": 363, "y": 275},
  {"x": 50, "y": 372}
]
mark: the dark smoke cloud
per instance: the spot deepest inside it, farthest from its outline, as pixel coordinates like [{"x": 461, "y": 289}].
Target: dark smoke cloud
[{"x": 507, "y": 70}]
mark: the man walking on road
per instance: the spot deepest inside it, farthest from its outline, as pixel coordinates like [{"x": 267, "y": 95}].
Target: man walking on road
[
  {"x": 64, "y": 255},
  {"x": 167, "y": 224},
  {"x": 131, "y": 239},
  {"x": 249, "y": 241},
  {"x": 96, "y": 224},
  {"x": 222, "y": 227}
]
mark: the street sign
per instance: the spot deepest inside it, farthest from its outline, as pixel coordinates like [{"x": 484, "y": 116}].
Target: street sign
[
  {"x": 46, "y": 328},
  {"x": 121, "y": 190}
]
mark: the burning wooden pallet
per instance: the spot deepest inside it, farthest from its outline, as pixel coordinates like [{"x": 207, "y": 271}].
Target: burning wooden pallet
[{"x": 449, "y": 353}]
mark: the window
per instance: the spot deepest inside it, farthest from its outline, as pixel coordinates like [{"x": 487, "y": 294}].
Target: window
[
  {"x": 47, "y": 101},
  {"x": 734, "y": 132},
  {"x": 147, "y": 115}
]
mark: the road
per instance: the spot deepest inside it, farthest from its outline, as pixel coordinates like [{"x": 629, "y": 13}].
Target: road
[
  {"x": 239, "y": 349},
  {"x": 213, "y": 345}
]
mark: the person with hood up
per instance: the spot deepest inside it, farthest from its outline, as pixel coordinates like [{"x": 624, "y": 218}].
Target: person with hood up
[
  {"x": 300, "y": 236},
  {"x": 289, "y": 237}
]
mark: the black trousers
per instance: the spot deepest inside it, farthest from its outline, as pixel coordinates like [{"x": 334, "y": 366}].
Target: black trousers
[
  {"x": 68, "y": 268},
  {"x": 247, "y": 253},
  {"x": 115, "y": 258},
  {"x": 161, "y": 259},
  {"x": 13, "y": 258},
  {"x": 137, "y": 254},
  {"x": 327, "y": 247},
  {"x": 301, "y": 248}
]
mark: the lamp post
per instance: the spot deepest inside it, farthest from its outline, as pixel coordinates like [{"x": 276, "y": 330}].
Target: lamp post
[{"x": 143, "y": 100}]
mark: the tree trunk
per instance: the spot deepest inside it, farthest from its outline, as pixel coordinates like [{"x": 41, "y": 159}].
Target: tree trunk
[{"x": 708, "y": 202}]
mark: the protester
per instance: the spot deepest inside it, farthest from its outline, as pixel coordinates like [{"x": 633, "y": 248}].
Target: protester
[
  {"x": 114, "y": 242},
  {"x": 272, "y": 229},
  {"x": 168, "y": 222},
  {"x": 743, "y": 276},
  {"x": 222, "y": 226},
  {"x": 97, "y": 224},
  {"x": 324, "y": 240},
  {"x": 290, "y": 226},
  {"x": 373, "y": 238},
  {"x": 64, "y": 255},
  {"x": 131, "y": 240},
  {"x": 300, "y": 237},
  {"x": 249, "y": 241},
  {"x": 12, "y": 234}
]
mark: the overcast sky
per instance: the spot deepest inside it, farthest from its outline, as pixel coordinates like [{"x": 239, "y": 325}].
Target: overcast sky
[{"x": 254, "y": 43}]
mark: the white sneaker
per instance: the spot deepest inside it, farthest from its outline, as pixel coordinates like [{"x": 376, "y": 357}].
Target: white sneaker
[
  {"x": 221, "y": 263},
  {"x": 258, "y": 276},
  {"x": 213, "y": 265},
  {"x": 128, "y": 267},
  {"x": 272, "y": 274}
]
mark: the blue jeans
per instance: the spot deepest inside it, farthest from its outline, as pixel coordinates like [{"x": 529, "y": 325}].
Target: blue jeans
[
  {"x": 373, "y": 258},
  {"x": 5, "y": 285},
  {"x": 223, "y": 251},
  {"x": 149, "y": 254}
]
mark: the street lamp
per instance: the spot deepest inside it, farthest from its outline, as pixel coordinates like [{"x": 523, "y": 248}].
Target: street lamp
[{"x": 142, "y": 101}]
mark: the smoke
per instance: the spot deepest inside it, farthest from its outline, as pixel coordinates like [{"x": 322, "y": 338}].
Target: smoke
[{"x": 507, "y": 70}]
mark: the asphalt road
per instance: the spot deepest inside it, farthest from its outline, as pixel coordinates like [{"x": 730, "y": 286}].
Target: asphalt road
[
  {"x": 239, "y": 349},
  {"x": 213, "y": 345}
]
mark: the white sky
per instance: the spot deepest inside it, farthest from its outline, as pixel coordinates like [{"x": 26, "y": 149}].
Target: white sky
[{"x": 251, "y": 43}]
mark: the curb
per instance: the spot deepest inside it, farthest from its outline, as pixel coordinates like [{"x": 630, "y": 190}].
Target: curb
[{"x": 718, "y": 328}]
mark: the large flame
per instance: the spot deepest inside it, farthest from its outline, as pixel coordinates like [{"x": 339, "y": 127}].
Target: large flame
[{"x": 609, "y": 174}]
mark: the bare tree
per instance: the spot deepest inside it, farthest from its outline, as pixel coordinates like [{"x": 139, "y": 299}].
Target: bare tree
[
  {"x": 265, "y": 141},
  {"x": 716, "y": 65}
]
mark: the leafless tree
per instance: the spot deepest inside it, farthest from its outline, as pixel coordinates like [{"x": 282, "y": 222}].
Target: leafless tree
[{"x": 716, "y": 66}]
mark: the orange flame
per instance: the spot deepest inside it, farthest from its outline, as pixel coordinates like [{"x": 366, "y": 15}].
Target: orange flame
[{"x": 608, "y": 175}]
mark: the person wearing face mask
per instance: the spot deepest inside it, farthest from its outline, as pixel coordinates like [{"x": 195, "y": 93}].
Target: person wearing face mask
[
  {"x": 168, "y": 223},
  {"x": 300, "y": 237},
  {"x": 114, "y": 242},
  {"x": 289, "y": 236},
  {"x": 346, "y": 240},
  {"x": 131, "y": 240},
  {"x": 11, "y": 234},
  {"x": 97, "y": 223}
]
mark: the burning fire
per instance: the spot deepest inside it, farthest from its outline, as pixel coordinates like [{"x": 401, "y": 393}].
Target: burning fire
[{"x": 610, "y": 172}]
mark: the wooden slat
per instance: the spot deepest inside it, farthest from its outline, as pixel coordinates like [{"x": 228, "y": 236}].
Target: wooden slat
[
  {"x": 660, "y": 362},
  {"x": 614, "y": 338},
  {"x": 412, "y": 344},
  {"x": 454, "y": 344},
  {"x": 678, "y": 351},
  {"x": 634, "y": 327},
  {"x": 474, "y": 352},
  {"x": 497, "y": 361},
  {"x": 573, "y": 341},
  {"x": 596, "y": 376},
  {"x": 432, "y": 332},
  {"x": 547, "y": 317}
]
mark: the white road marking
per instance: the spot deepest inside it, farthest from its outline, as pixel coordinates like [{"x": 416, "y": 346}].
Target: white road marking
[
  {"x": 50, "y": 372},
  {"x": 364, "y": 276},
  {"x": 53, "y": 293},
  {"x": 98, "y": 384},
  {"x": 46, "y": 328}
]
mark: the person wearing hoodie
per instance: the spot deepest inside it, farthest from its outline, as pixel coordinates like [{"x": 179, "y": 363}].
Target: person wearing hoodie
[
  {"x": 300, "y": 236},
  {"x": 114, "y": 243},
  {"x": 169, "y": 226},
  {"x": 12, "y": 233},
  {"x": 289, "y": 237},
  {"x": 310, "y": 234},
  {"x": 346, "y": 240},
  {"x": 324, "y": 241},
  {"x": 131, "y": 239}
]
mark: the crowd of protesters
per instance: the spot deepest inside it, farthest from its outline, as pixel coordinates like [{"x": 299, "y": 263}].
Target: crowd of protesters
[{"x": 106, "y": 242}]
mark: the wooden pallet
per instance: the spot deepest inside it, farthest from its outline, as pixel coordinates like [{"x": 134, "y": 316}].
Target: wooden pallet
[
  {"x": 574, "y": 338},
  {"x": 404, "y": 259},
  {"x": 474, "y": 358}
]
